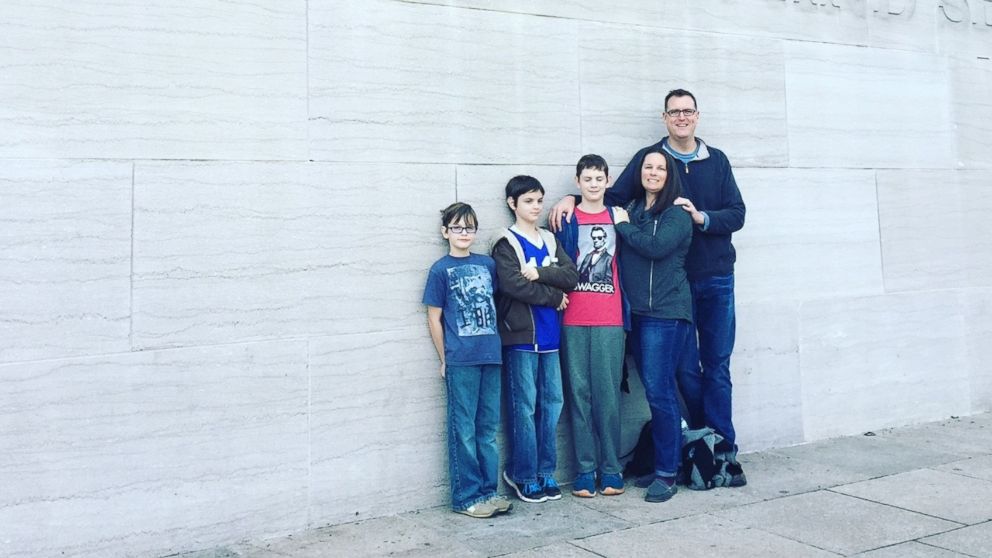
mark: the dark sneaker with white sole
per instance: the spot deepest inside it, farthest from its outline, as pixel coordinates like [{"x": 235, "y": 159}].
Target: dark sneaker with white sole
[
  {"x": 550, "y": 487},
  {"x": 531, "y": 492}
]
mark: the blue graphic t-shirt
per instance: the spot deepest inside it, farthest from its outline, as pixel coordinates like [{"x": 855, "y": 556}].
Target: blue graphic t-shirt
[{"x": 463, "y": 289}]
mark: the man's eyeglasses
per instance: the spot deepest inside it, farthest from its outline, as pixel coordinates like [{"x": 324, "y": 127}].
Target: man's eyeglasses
[
  {"x": 674, "y": 113},
  {"x": 459, "y": 230}
]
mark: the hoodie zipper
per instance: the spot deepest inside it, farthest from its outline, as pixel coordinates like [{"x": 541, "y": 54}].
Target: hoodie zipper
[
  {"x": 651, "y": 273},
  {"x": 533, "y": 327}
]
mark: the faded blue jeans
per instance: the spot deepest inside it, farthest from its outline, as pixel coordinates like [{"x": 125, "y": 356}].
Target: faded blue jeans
[
  {"x": 473, "y": 420},
  {"x": 704, "y": 370},
  {"x": 657, "y": 345},
  {"x": 536, "y": 401}
]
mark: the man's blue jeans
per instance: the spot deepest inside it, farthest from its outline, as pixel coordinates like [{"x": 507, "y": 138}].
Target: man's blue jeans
[
  {"x": 657, "y": 344},
  {"x": 704, "y": 370},
  {"x": 473, "y": 420},
  {"x": 536, "y": 401}
]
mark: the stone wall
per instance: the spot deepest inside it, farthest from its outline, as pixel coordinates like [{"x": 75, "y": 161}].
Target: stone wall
[{"x": 216, "y": 217}]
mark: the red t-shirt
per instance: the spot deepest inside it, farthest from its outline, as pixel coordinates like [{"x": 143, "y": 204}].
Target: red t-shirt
[{"x": 595, "y": 301}]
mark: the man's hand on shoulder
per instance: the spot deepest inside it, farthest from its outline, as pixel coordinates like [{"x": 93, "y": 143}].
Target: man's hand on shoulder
[
  {"x": 564, "y": 208},
  {"x": 697, "y": 217}
]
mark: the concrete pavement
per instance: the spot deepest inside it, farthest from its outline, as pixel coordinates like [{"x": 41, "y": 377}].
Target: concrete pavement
[{"x": 923, "y": 491}]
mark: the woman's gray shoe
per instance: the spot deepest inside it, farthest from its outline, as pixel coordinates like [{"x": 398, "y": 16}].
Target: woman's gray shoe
[{"x": 659, "y": 491}]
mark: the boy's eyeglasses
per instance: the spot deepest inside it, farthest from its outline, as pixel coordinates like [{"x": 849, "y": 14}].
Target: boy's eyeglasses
[
  {"x": 459, "y": 230},
  {"x": 674, "y": 113}
]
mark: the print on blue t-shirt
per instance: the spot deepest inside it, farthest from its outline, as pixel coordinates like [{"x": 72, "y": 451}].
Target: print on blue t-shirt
[{"x": 473, "y": 290}]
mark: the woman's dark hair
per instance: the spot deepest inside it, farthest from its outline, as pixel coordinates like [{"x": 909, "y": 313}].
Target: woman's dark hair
[{"x": 672, "y": 188}]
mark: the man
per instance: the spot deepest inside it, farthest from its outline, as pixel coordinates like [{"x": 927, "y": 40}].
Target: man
[
  {"x": 597, "y": 266},
  {"x": 714, "y": 202}
]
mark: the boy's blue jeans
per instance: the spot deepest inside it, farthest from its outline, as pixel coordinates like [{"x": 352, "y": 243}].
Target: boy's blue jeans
[
  {"x": 658, "y": 343},
  {"x": 704, "y": 369},
  {"x": 536, "y": 401},
  {"x": 473, "y": 420}
]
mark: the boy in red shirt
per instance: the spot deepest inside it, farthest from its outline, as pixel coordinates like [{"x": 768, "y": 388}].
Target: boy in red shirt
[{"x": 592, "y": 338}]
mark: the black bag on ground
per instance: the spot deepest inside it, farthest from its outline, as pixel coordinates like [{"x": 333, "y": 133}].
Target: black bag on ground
[
  {"x": 642, "y": 460},
  {"x": 700, "y": 468}
]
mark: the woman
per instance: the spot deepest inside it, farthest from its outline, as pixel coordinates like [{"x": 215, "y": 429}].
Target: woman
[{"x": 656, "y": 235}]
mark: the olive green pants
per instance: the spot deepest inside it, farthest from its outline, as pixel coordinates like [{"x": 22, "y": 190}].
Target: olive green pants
[{"x": 592, "y": 363}]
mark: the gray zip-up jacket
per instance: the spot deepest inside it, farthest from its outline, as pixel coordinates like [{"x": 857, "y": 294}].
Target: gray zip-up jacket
[{"x": 653, "y": 263}]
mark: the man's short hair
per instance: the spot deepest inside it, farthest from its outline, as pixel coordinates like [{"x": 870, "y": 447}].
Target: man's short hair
[
  {"x": 591, "y": 161},
  {"x": 680, "y": 93}
]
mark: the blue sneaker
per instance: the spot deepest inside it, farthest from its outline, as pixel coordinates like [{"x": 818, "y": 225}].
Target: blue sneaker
[
  {"x": 584, "y": 485},
  {"x": 612, "y": 484},
  {"x": 531, "y": 492},
  {"x": 550, "y": 487}
]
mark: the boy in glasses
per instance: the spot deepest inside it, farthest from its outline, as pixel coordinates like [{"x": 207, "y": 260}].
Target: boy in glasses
[
  {"x": 534, "y": 275},
  {"x": 461, "y": 316},
  {"x": 592, "y": 339}
]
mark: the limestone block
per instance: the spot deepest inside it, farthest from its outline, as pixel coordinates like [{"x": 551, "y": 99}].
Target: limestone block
[
  {"x": 387, "y": 536},
  {"x": 526, "y": 527},
  {"x": 903, "y": 24},
  {"x": 156, "y": 452},
  {"x": 65, "y": 254},
  {"x": 971, "y": 84},
  {"x": 378, "y": 416},
  {"x": 765, "y": 372},
  {"x": 823, "y": 21},
  {"x": 935, "y": 230},
  {"x": 682, "y": 536},
  {"x": 975, "y": 540},
  {"x": 867, "y": 457},
  {"x": 431, "y": 84},
  {"x": 808, "y": 234},
  {"x": 913, "y": 549},
  {"x": 872, "y": 362},
  {"x": 964, "y": 29},
  {"x": 158, "y": 79},
  {"x": 844, "y": 525},
  {"x": 861, "y": 108},
  {"x": 737, "y": 81},
  {"x": 939, "y": 494},
  {"x": 235, "y": 251},
  {"x": 657, "y": 13}
]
